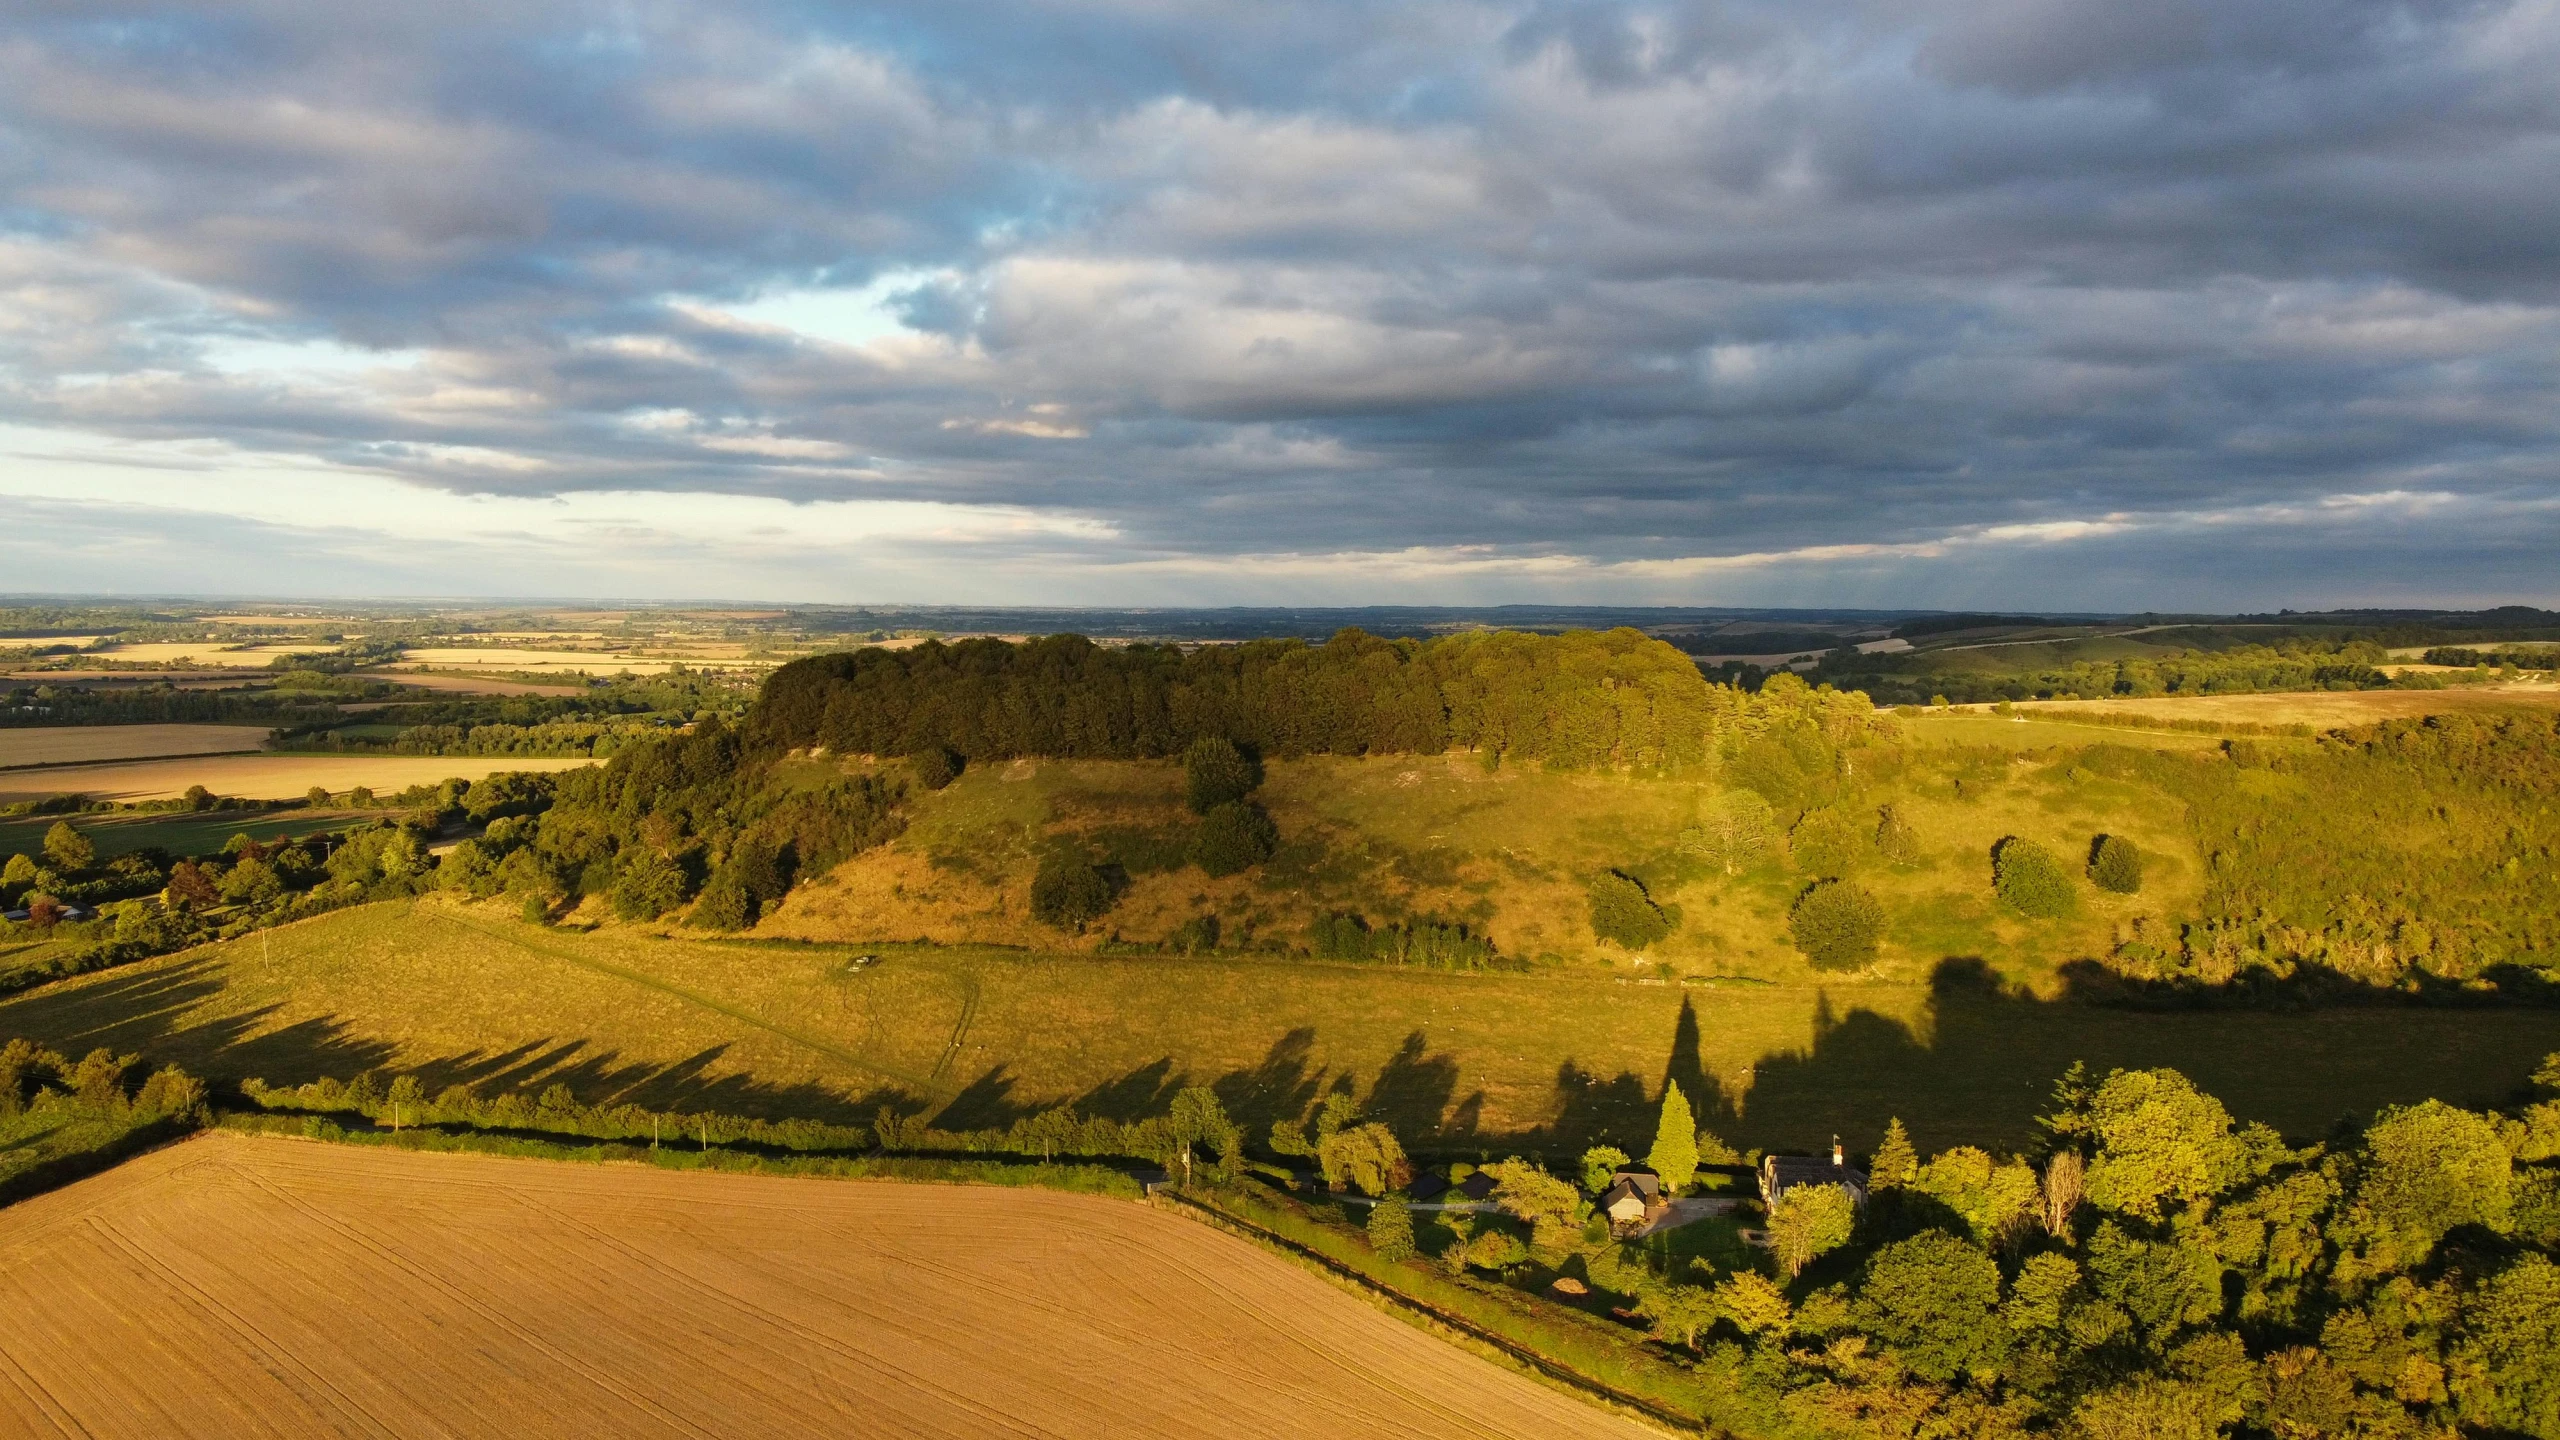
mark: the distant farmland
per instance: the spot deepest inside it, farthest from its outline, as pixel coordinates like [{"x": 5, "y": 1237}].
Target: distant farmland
[
  {"x": 2322, "y": 708},
  {"x": 76, "y": 744},
  {"x": 258, "y": 777},
  {"x": 230, "y": 1286}
]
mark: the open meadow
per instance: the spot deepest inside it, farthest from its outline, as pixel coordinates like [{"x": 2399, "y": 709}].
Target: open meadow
[
  {"x": 258, "y": 777},
  {"x": 228, "y": 1286},
  {"x": 81, "y": 744},
  {"x": 1460, "y": 1064}
]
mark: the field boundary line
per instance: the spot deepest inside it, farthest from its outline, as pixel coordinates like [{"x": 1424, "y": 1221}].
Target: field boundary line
[
  {"x": 722, "y": 1007},
  {"x": 1432, "y": 1317}
]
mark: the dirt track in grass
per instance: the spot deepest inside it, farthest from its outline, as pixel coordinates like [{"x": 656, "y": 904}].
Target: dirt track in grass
[{"x": 235, "y": 1286}]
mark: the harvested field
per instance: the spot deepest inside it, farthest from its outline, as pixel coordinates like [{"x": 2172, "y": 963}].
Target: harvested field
[
  {"x": 259, "y": 777},
  {"x": 593, "y": 662},
  {"x": 232, "y": 1286},
  {"x": 198, "y": 652},
  {"x": 474, "y": 685},
  {"x": 2321, "y": 708},
  {"x": 79, "y": 744}
]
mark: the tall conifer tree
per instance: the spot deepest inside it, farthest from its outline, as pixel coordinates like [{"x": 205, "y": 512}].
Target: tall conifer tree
[
  {"x": 1896, "y": 1162},
  {"x": 1674, "y": 1156}
]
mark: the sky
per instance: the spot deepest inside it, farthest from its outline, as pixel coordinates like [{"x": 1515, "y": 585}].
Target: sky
[{"x": 2178, "y": 305}]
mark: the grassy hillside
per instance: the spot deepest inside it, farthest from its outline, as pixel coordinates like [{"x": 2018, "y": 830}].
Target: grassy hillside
[
  {"x": 1510, "y": 852},
  {"x": 1460, "y": 1063}
]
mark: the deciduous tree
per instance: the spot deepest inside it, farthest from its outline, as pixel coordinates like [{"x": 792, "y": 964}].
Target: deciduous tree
[
  {"x": 67, "y": 850},
  {"x": 1808, "y": 1222}
]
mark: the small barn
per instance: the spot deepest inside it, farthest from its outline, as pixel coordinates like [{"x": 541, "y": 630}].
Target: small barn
[{"x": 1624, "y": 1204}]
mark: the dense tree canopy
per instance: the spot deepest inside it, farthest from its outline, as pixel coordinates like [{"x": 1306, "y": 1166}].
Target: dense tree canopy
[{"x": 1579, "y": 699}]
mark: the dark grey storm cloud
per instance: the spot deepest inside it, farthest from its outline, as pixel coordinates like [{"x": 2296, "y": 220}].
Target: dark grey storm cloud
[{"x": 2132, "y": 304}]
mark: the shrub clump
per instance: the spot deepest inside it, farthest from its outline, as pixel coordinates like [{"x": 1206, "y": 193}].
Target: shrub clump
[
  {"x": 1622, "y": 913},
  {"x": 1234, "y": 836},
  {"x": 1391, "y": 1229},
  {"x": 1837, "y": 925},
  {"x": 1070, "y": 893},
  {"x": 2030, "y": 881},
  {"x": 647, "y": 885},
  {"x": 936, "y": 766},
  {"x": 1215, "y": 773},
  {"x": 2115, "y": 864}
]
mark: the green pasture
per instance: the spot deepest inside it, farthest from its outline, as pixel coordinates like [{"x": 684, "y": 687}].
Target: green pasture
[
  {"x": 179, "y": 833},
  {"x": 1462, "y": 1065}
]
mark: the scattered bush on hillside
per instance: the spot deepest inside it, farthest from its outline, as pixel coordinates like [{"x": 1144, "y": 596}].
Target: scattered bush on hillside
[
  {"x": 1896, "y": 840},
  {"x": 1215, "y": 773},
  {"x": 1234, "y": 837},
  {"x": 1733, "y": 833},
  {"x": 2030, "y": 880},
  {"x": 936, "y": 766},
  {"x": 1837, "y": 925},
  {"x": 2115, "y": 864},
  {"x": 1623, "y": 914},
  {"x": 1830, "y": 841},
  {"x": 1070, "y": 892}
]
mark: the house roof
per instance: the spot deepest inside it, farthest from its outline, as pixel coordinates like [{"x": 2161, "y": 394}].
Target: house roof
[
  {"x": 1642, "y": 1177},
  {"x": 1623, "y": 1193},
  {"x": 1477, "y": 1186},
  {"x": 1784, "y": 1172},
  {"x": 1425, "y": 1186}
]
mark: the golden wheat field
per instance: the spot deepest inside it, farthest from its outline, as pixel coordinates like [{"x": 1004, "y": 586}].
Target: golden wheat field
[
  {"x": 236, "y": 1286},
  {"x": 565, "y": 662},
  {"x": 74, "y": 744},
  {"x": 258, "y": 777}
]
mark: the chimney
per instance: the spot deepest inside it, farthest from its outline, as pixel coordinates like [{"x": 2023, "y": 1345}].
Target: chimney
[{"x": 1836, "y": 1157}]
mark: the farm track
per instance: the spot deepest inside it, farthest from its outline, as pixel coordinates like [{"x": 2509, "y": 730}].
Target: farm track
[{"x": 232, "y": 1285}]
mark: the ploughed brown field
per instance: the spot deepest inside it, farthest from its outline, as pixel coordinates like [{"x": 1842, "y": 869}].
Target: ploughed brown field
[{"x": 235, "y": 1286}]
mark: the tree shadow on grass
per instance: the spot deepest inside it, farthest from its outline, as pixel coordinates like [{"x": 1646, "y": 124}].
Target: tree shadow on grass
[{"x": 145, "y": 1012}]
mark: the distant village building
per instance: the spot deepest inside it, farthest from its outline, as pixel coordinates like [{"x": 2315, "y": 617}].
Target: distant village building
[{"x": 1782, "y": 1173}]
